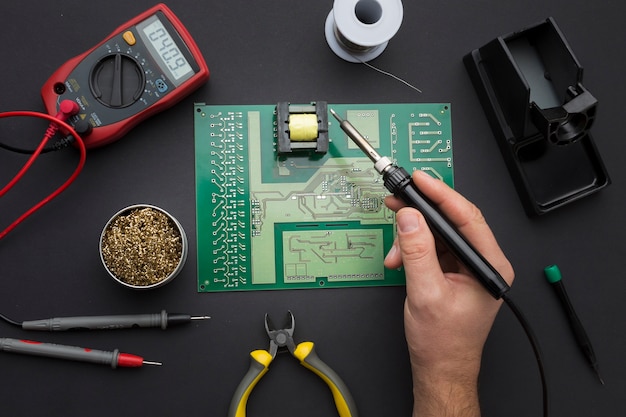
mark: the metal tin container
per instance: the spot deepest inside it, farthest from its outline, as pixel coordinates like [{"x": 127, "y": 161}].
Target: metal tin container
[{"x": 143, "y": 247}]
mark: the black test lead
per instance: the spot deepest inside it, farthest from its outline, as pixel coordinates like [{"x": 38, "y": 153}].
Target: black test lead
[
  {"x": 554, "y": 277},
  {"x": 162, "y": 320},
  {"x": 115, "y": 358}
]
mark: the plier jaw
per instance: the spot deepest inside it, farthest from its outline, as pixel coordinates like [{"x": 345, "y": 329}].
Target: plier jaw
[{"x": 281, "y": 338}]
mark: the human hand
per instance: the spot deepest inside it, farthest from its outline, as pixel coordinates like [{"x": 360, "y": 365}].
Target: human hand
[{"x": 448, "y": 314}]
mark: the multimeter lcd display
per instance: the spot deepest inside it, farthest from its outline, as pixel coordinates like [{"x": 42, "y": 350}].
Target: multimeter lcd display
[{"x": 163, "y": 46}]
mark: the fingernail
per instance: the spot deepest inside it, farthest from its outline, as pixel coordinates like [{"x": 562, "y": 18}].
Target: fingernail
[
  {"x": 407, "y": 222},
  {"x": 425, "y": 175},
  {"x": 392, "y": 251}
]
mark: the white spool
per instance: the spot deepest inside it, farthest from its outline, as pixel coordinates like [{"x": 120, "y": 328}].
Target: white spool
[{"x": 359, "y": 30}]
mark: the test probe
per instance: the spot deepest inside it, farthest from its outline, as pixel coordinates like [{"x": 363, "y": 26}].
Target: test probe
[
  {"x": 114, "y": 359},
  {"x": 162, "y": 320},
  {"x": 398, "y": 181}
]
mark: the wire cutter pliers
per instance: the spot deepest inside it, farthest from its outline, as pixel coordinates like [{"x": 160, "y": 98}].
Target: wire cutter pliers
[{"x": 305, "y": 352}]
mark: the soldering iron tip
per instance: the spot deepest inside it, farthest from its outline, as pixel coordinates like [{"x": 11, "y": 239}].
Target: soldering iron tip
[{"x": 336, "y": 115}]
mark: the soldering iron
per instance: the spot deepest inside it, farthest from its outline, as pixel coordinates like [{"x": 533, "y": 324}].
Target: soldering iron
[{"x": 398, "y": 181}]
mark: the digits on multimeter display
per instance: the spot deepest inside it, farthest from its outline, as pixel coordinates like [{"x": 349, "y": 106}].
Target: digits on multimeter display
[{"x": 162, "y": 45}]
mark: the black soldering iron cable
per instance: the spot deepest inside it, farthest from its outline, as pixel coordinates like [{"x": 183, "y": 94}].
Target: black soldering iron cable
[{"x": 534, "y": 342}]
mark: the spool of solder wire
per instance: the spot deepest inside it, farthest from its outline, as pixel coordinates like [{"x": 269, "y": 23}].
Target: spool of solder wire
[{"x": 359, "y": 30}]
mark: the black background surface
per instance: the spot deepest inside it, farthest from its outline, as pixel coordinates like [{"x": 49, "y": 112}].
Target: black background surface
[{"x": 263, "y": 52}]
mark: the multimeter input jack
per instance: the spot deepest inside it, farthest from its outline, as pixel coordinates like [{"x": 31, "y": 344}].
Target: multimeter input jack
[{"x": 59, "y": 88}]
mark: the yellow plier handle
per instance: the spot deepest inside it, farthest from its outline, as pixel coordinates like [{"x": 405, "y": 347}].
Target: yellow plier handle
[
  {"x": 344, "y": 402},
  {"x": 259, "y": 364}
]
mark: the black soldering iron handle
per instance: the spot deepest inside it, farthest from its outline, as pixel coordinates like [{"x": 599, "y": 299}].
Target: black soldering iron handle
[{"x": 398, "y": 181}]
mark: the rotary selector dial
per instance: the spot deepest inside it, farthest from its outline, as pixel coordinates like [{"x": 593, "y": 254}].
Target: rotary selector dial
[{"x": 117, "y": 80}]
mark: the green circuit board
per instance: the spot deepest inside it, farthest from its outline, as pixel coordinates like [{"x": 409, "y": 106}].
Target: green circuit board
[{"x": 267, "y": 220}]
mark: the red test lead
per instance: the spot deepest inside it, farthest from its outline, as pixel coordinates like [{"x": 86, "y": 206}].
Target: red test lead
[
  {"x": 66, "y": 109},
  {"x": 114, "y": 359}
]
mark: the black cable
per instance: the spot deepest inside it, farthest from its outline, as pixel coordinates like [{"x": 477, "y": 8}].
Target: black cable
[
  {"x": 8, "y": 320},
  {"x": 57, "y": 146},
  {"x": 535, "y": 345}
]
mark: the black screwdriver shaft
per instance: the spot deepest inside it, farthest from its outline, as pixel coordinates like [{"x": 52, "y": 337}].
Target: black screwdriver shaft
[{"x": 554, "y": 277}]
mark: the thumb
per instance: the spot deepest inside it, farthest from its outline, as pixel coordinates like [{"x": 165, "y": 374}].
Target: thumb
[{"x": 419, "y": 254}]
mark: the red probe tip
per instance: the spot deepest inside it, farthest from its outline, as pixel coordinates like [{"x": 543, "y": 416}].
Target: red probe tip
[{"x": 126, "y": 360}]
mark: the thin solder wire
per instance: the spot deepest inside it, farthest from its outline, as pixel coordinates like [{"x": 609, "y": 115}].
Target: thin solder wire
[{"x": 395, "y": 77}]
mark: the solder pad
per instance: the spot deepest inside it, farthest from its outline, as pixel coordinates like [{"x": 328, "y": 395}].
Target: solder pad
[{"x": 268, "y": 221}]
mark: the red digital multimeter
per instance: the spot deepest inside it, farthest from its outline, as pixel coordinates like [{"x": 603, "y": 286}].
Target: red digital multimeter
[{"x": 143, "y": 67}]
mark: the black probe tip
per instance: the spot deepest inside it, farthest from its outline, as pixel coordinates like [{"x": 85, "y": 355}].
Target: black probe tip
[{"x": 177, "y": 319}]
